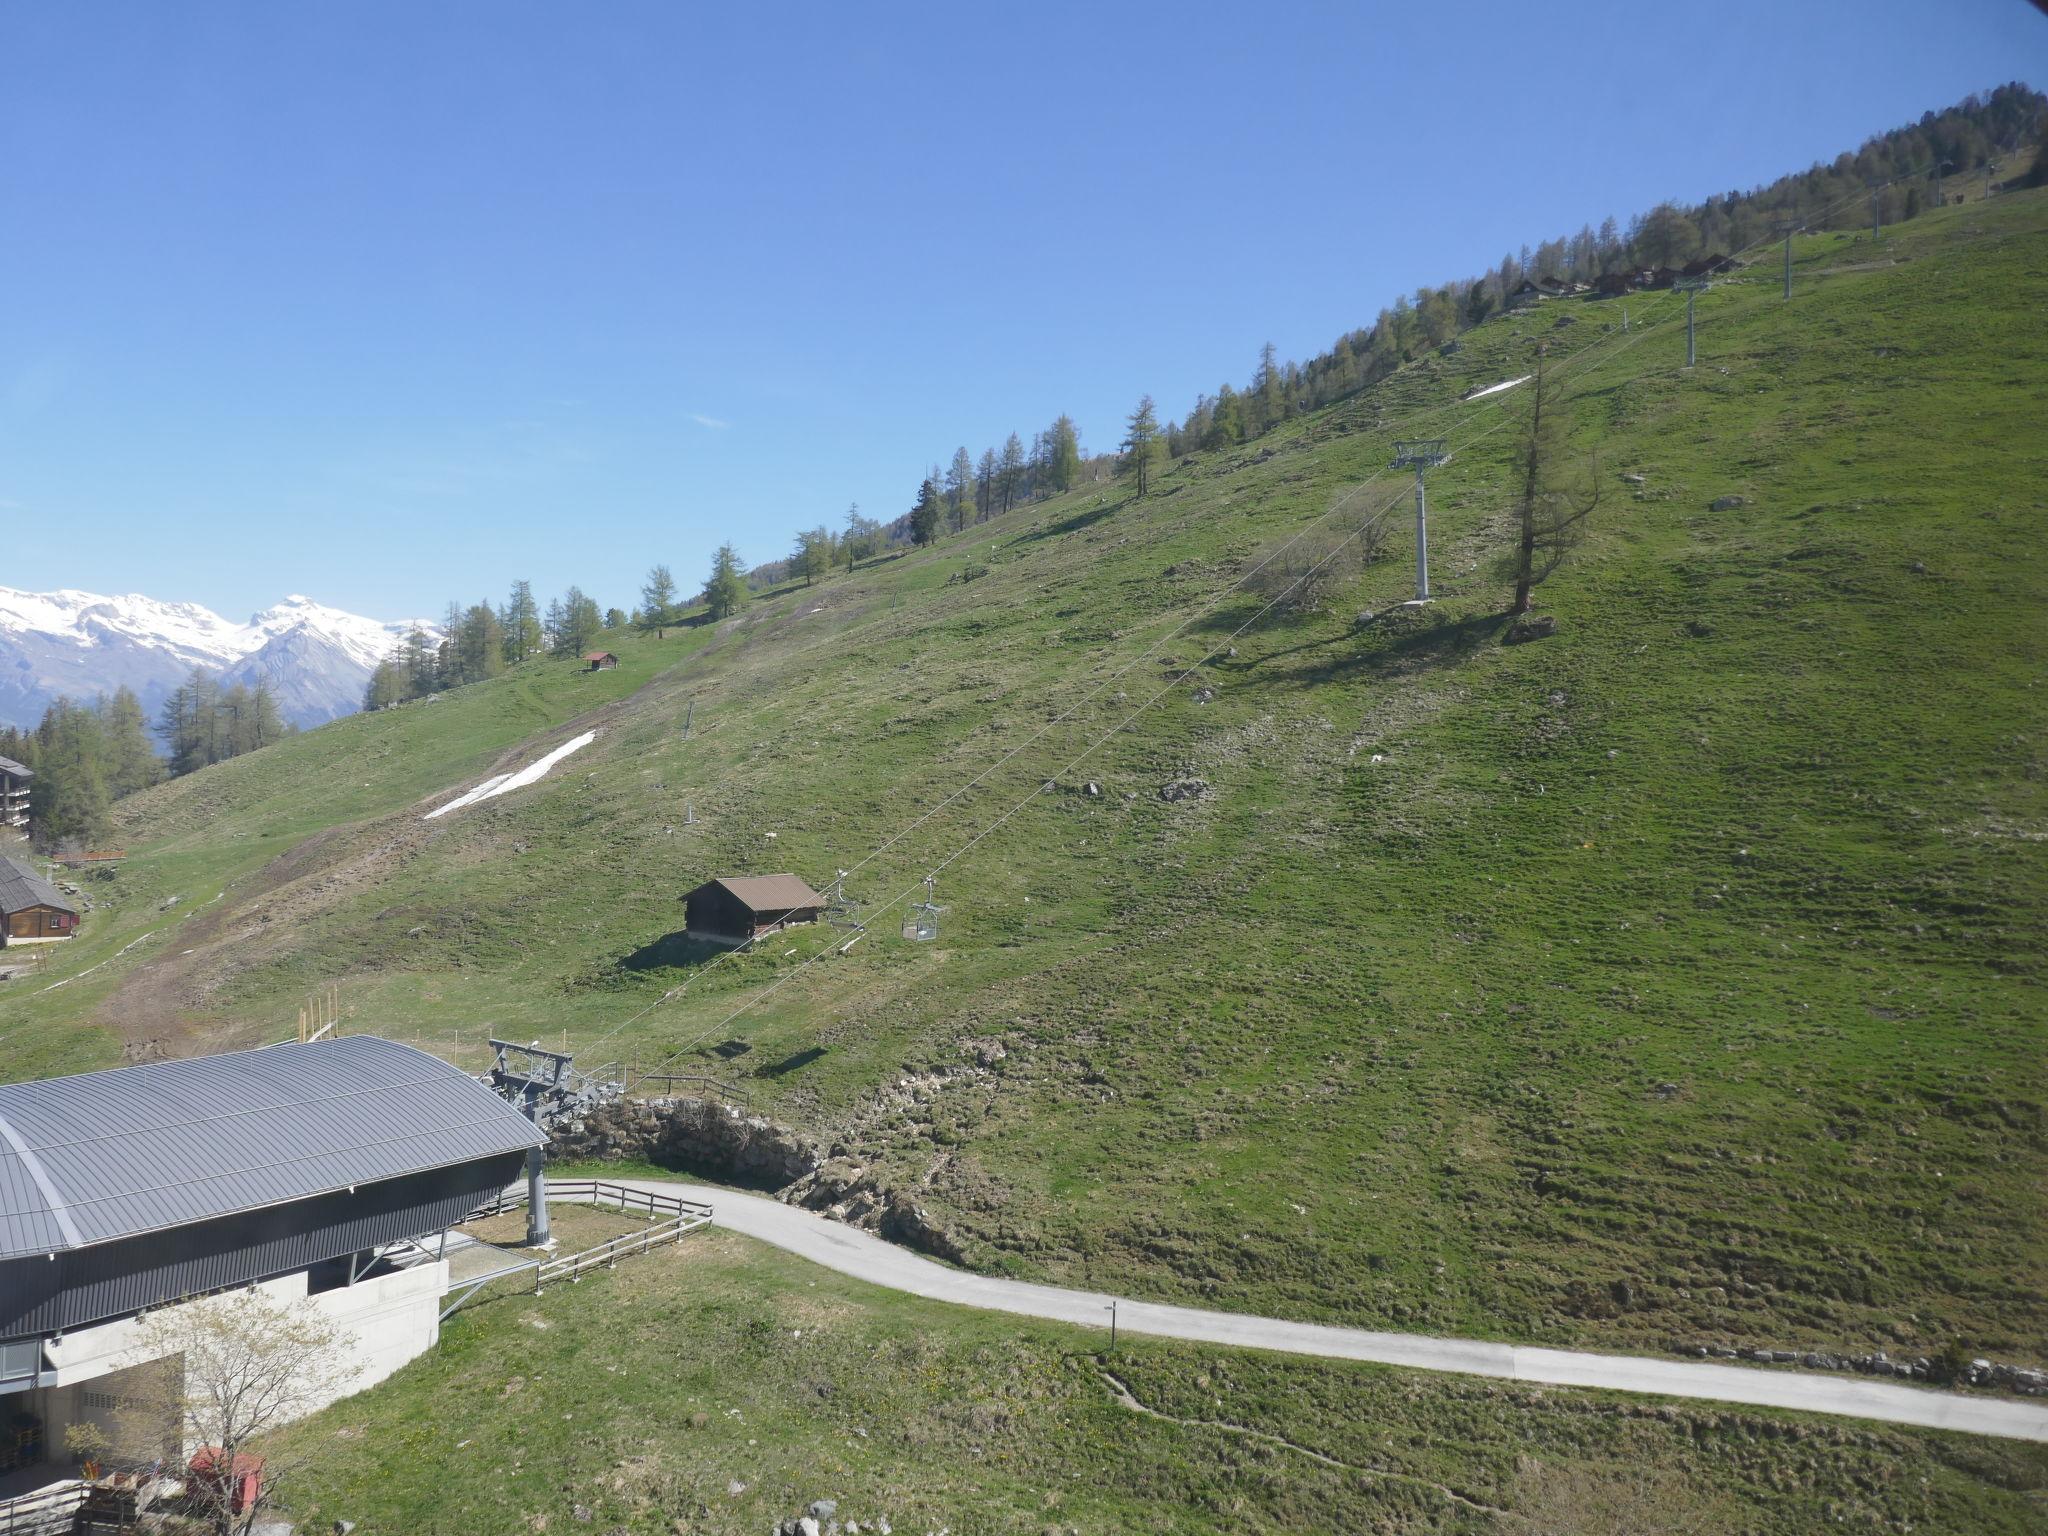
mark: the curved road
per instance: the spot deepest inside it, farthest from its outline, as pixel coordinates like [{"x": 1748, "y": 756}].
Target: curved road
[{"x": 866, "y": 1257}]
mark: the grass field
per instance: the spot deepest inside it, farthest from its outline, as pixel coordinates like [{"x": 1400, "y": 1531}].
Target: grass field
[
  {"x": 1677, "y": 977},
  {"x": 717, "y": 1387}
]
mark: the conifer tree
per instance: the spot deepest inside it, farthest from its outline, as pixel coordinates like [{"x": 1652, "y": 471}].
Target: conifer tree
[
  {"x": 1010, "y": 472},
  {"x": 1141, "y": 443},
  {"x": 521, "y": 623},
  {"x": 658, "y": 599},
  {"x": 68, "y": 797},
  {"x": 959, "y": 486},
  {"x": 727, "y": 588},
  {"x": 131, "y": 763},
  {"x": 985, "y": 485},
  {"x": 929, "y": 513},
  {"x": 1063, "y": 453}
]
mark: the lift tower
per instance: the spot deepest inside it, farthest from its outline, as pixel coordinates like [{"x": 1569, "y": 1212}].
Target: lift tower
[
  {"x": 1692, "y": 288},
  {"x": 545, "y": 1086},
  {"x": 1419, "y": 454}
]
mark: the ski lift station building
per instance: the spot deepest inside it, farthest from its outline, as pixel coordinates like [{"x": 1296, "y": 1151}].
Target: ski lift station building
[
  {"x": 741, "y": 908},
  {"x": 313, "y": 1172}
]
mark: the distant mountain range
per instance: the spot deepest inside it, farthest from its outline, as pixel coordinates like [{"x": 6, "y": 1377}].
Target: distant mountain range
[{"x": 316, "y": 659}]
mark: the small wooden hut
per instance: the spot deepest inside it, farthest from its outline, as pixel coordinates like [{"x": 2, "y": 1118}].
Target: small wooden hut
[{"x": 738, "y": 909}]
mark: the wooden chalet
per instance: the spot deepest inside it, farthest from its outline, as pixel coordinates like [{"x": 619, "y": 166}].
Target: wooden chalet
[
  {"x": 1530, "y": 289},
  {"x": 32, "y": 911},
  {"x": 601, "y": 661},
  {"x": 738, "y": 909},
  {"x": 14, "y": 785}
]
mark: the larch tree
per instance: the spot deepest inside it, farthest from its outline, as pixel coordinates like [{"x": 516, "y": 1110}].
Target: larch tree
[
  {"x": 959, "y": 487},
  {"x": 1010, "y": 471},
  {"x": 985, "y": 485},
  {"x": 520, "y": 620},
  {"x": 812, "y": 556},
  {"x": 1141, "y": 443},
  {"x": 132, "y": 763},
  {"x": 1063, "y": 453},
  {"x": 658, "y": 599},
  {"x": 726, "y": 591}
]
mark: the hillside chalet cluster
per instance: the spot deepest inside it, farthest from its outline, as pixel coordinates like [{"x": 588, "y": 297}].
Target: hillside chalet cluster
[{"x": 1612, "y": 285}]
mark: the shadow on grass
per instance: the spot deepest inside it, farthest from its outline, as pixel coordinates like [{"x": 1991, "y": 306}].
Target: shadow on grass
[
  {"x": 673, "y": 951},
  {"x": 1072, "y": 524},
  {"x": 1415, "y": 646},
  {"x": 789, "y": 1064}
]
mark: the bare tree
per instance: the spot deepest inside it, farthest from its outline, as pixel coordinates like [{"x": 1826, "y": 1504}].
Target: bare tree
[
  {"x": 227, "y": 1370},
  {"x": 1555, "y": 500}
]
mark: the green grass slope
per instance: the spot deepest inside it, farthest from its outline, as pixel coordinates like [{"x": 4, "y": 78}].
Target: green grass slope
[
  {"x": 1673, "y": 978},
  {"x": 717, "y": 1388}
]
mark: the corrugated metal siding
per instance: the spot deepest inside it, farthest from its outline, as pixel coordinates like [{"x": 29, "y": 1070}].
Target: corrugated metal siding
[
  {"x": 41, "y": 1296},
  {"x": 141, "y": 1149}
]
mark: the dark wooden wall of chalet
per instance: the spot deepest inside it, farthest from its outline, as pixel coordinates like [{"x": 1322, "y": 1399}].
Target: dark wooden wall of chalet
[
  {"x": 714, "y": 909},
  {"x": 38, "y": 923}
]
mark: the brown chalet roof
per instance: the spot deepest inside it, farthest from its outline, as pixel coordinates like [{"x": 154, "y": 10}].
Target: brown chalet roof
[
  {"x": 599, "y": 656},
  {"x": 767, "y": 893}
]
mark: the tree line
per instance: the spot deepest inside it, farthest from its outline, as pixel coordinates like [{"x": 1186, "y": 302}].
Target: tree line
[
  {"x": 1967, "y": 140},
  {"x": 84, "y": 757}
]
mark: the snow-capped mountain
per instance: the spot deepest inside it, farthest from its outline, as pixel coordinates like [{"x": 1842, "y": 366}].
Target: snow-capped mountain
[{"x": 315, "y": 658}]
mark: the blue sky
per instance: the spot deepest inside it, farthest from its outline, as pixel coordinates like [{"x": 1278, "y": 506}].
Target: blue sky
[{"x": 387, "y": 303}]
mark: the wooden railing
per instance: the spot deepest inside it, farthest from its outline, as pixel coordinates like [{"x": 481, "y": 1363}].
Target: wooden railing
[
  {"x": 637, "y": 1081},
  {"x": 678, "y": 1216}
]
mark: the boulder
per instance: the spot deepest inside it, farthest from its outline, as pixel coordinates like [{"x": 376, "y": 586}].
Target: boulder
[
  {"x": 1183, "y": 789},
  {"x": 1727, "y": 503}
]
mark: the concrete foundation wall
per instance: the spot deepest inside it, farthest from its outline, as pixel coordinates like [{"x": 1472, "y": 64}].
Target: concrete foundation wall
[{"x": 383, "y": 1323}]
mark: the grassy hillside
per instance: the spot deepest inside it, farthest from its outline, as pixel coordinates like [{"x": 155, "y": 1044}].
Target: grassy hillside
[
  {"x": 718, "y": 1388},
  {"x": 1676, "y": 977}
]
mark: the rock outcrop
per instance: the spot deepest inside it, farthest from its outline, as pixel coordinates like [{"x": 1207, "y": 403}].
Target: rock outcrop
[{"x": 698, "y": 1136}]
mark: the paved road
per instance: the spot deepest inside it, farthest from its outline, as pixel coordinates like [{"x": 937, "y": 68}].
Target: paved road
[{"x": 866, "y": 1257}]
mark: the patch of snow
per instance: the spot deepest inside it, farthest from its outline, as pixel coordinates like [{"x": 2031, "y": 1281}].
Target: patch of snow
[
  {"x": 504, "y": 783},
  {"x": 1494, "y": 389}
]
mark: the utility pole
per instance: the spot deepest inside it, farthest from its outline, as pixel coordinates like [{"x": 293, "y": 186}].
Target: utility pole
[
  {"x": 1939, "y": 167},
  {"x": 1420, "y": 454},
  {"x": 1876, "y": 232},
  {"x": 1788, "y": 228},
  {"x": 1692, "y": 288},
  {"x": 689, "y": 714},
  {"x": 1989, "y": 167}
]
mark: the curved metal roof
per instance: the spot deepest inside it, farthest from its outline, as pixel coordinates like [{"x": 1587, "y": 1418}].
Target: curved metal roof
[{"x": 107, "y": 1155}]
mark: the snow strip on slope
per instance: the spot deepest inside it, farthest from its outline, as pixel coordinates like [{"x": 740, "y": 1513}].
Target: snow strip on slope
[
  {"x": 1494, "y": 389},
  {"x": 532, "y": 773}
]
